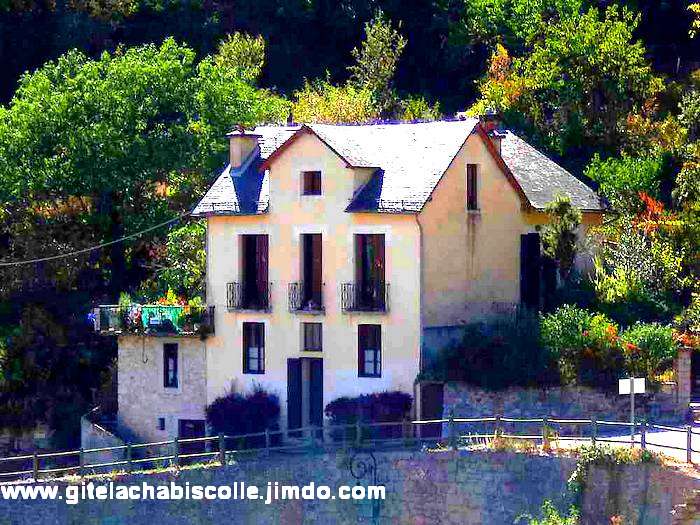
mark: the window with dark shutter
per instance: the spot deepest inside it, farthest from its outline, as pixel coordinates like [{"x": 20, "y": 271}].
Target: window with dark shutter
[
  {"x": 369, "y": 344},
  {"x": 313, "y": 338},
  {"x": 253, "y": 348},
  {"x": 170, "y": 365},
  {"x": 472, "y": 191},
  {"x": 311, "y": 183}
]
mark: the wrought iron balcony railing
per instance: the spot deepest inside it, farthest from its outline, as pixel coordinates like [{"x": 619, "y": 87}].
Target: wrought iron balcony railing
[
  {"x": 156, "y": 319},
  {"x": 242, "y": 296},
  {"x": 304, "y": 298},
  {"x": 370, "y": 297}
]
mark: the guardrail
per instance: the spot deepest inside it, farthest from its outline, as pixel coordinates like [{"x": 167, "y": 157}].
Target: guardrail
[{"x": 444, "y": 433}]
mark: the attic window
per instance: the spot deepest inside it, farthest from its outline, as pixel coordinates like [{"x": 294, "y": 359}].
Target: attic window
[
  {"x": 311, "y": 183},
  {"x": 472, "y": 190}
]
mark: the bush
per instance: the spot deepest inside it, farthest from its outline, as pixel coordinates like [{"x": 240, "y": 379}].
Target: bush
[
  {"x": 384, "y": 407},
  {"x": 585, "y": 345},
  {"x": 649, "y": 349},
  {"x": 235, "y": 414},
  {"x": 502, "y": 353}
]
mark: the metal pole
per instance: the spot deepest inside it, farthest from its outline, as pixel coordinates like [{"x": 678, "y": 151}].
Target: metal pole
[
  {"x": 128, "y": 457},
  {"x": 688, "y": 443},
  {"x": 643, "y": 430},
  {"x": 176, "y": 451},
  {"x": 222, "y": 449},
  {"x": 82, "y": 461},
  {"x": 453, "y": 437},
  {"x": 632, "y": 410}
]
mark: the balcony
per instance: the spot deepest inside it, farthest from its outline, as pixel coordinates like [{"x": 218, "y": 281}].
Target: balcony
[
  {"x": 370, "y": 297},
  {"x": 303, "y": 299},
  {"x": 150, "y": 319},
  {"x": 241, "y": 296}
]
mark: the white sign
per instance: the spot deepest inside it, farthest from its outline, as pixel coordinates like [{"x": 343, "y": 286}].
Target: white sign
[{"x": 639, "y": 385}]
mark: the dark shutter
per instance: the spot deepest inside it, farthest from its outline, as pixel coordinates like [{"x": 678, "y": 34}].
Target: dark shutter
[
  {"x": 316, "y": 268},
  {"x": 293, "y": 393},
  {"x": 530, "y": 270},
  {"x": 316, "y": 391}
]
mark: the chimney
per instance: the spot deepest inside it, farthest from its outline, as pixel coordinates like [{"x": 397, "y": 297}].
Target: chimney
[
  {"x": 491, "y": 123},
  {"x": 241, "y": 144}
]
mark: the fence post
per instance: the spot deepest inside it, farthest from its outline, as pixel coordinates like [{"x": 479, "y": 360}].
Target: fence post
[
  {"x": 497, "y": 425},
  {"x": 176, "y": 451},
  {"x": 594, "y": 430},
  {"x": 643, "y": 431},
  {"x": 358, "y": 432},
  {"x": 129, "y": 466},
  {"x": 545, "y": 439},
  {"x": 81, "y": 458},
  {"x": 35, "y": 466},
  {"x": 267, "y": 441},
  {"x": 689, "y": 443},
  {"x": 452, "y": 435},
  {"x": 222, "y": 449}
]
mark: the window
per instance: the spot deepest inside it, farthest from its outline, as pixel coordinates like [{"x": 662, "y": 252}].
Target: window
[
  {"x": 312, "y": 263},
  {"x": 369, "y": 272},
  {"x": 161, "y": 423},
  {"x": 253, "y": 348},
  {"x": 313, "y": 338},
  {"x": 369, "y": 344},
  {"x": 311, "y": 183},
  {"x": 170, "y": 365},
  {"x": 472, "y": 201}
]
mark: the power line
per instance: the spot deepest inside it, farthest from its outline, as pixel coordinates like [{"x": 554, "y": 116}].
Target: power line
[{"x": 97, "y": 247}]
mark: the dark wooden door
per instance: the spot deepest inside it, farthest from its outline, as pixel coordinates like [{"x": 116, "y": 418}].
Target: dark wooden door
[
  {"x": 316, "y": 391},
  {"x": 191, "y": 428},
  {"x": 293, "y": 393},
  {"x": 431, "y": 402},
  {"x": 313, "y": 264},
  {"x": 261, "y": 272},
  {"x": 530, "y": 270}
]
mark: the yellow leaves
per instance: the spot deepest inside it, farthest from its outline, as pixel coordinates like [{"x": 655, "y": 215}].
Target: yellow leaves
[
  {"x": 695, "y": 24},
  {"x": 327, "y": 103},
  {"x": 503, "y": 87}
]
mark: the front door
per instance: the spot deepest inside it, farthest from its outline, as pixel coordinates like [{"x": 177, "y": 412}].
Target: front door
[
  {"x": 530, "y": 270},
  {"x": 191, "y": 428},
  {"x": 304, "y": 392}
]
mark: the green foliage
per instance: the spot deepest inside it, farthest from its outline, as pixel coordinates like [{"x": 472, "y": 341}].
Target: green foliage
[
  {"x": 585, "y": 346},
  {"x": 605, "y": 455},
  {"x": 622, "y": 179},
  {"x": 243, "y": 55},
  {"x": 376, "y": 60},
  {"x": 559, "y": 235},
  {"x": 550, "y": 515},
  {"x": 321, "y": 101},
  {"x": 577, "y": 81},
  {"x": 499, "y": 354},
  {"x": 180, "y": 265},
  {"x": 639, "y": 276},
  {"x": 649, "y": 349},
  {"x": 417, "y": 108}
]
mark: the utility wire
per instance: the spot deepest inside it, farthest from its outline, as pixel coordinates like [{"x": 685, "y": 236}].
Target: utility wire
[{"x": 97, "y": 247}]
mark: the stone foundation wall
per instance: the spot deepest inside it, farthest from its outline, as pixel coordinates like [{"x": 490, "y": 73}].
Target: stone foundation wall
[
  {"x": 560, "y": 402},
  {"x": 460, "y": 488}
]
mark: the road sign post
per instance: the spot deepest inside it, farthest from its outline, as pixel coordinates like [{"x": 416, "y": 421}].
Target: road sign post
[{"x": 632, "y": 386}]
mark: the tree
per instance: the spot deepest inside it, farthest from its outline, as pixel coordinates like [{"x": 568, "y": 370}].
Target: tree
[
  {"x": 577, "y": 81},
  {"x": 133, "y": 135},
  {"x": 376, "y": 60},
  {"x": 559, "y": 235}
]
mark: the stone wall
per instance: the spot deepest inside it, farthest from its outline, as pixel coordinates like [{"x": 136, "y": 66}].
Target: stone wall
[
  {"x": 142, "y": 398},
  {"x": 421, "y": 488},
  {"x": 560, "y": 402}
]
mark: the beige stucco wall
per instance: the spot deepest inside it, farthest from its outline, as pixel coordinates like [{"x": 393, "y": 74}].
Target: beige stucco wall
[
  {"x": 141, "y": 395},
  {"x": 289, "y": 216},
  {"x": 471, "y": 259}
]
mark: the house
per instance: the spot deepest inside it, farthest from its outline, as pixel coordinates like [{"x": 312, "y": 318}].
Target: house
[{"x": 331, "y": 251}]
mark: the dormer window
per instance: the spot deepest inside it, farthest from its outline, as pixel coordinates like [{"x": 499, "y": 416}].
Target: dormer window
[{"x": 311, "y": 183}]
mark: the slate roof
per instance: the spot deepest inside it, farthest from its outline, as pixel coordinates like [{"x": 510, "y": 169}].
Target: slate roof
[
  {"x": 541, "y": 178},
  {"x": 409, "y": 160}
]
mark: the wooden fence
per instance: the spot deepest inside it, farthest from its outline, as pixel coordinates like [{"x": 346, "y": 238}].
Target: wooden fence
[{"x": 452, "y": 433}]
